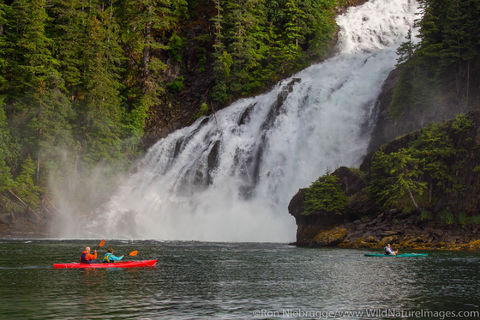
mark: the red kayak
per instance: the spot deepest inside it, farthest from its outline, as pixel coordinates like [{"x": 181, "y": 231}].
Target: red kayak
[{"x": 127, "y": 264}]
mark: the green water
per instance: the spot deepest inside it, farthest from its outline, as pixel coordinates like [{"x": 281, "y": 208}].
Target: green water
[{"x": 195, "y": 280}]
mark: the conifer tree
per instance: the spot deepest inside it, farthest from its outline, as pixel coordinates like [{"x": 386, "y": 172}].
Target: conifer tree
[
  {"x": 4, "y": 10},
  {"x": 34, "y": 98},
  {"x": 31, "y": 63},
  {"x": 248, "y": 45},
  {"x": 24, "y": 189},
  {"x": 406, "y": 50},
  {"x": 292, "y": 29},
  {"x": 460, "y": 44},
  {"x": 69, "y": 32},
  {"x": 395, "y": 177},
  {"x": 145, "y": 25},
  {"x": 98, "y": 110},
  {"x": 222, "y": 60},
  {"x": 6, "y": 180}
]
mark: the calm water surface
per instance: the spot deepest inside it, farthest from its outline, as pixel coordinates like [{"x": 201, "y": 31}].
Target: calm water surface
[{"x": 196, "y": 280}]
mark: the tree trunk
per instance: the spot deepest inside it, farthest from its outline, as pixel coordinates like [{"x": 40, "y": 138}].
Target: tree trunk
[
  {"x": 37, "y": 175},
  {"x": 430, "y": 193},
  {"x": 468, "y": 83},
  {"x": 458, "y": 77},
  {"x": 25, "y": 204},
  {"x": 109, "y": 35},
  {"x": 413, "y": 199}
]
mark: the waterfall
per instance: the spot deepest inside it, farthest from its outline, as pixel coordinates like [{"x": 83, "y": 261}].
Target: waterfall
[{"x": 230, "y": 176}]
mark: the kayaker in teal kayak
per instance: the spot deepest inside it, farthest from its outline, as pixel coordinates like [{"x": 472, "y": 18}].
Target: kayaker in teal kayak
[
  {"x": 109, "y": 257},
  {"x": 389, "y": 251}
]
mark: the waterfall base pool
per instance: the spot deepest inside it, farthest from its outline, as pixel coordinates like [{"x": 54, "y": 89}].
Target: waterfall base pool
[{"x": 196, "y": 280}]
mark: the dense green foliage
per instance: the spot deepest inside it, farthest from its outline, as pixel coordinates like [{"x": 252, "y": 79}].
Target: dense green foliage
[
  {"x": 395, "y": 179},
  {"x": 430, "y": 162},
  {"x": 325, "y": 195},
  {"x": 80, "y": 79},
  {"x": 426, "y": 173},
  {"x": 442, "y": 69},
  {"x": 257, "y": 42},
  {"x": 444, "y": 66},
  {"x": 433, "y": 173}
]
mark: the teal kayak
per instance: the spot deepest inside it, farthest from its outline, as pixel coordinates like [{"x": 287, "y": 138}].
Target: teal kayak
[{"x": 403, "y": 255}]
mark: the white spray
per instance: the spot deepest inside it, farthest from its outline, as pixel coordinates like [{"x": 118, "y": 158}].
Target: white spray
[{"x": 231, "y": 177}]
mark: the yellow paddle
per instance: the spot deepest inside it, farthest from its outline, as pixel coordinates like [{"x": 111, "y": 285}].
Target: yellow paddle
[{"x": 101, "y": 244}]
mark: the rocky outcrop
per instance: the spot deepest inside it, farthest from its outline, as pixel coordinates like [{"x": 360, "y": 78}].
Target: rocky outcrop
[
  {"x": 319, "y": 228},
  {"x": 363, "y": 224},
  {"x": 347, "y": 4},
  {"x": 23, "y": 225},
  {"x": 403, "y": 231},
  {"x": 407, "y": 232}
]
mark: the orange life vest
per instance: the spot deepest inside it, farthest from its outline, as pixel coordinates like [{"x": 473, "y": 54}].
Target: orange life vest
[{"x": 87, "y": 257}]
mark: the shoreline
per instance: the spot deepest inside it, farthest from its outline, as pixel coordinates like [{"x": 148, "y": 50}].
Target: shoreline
[
  {"x": 403, "y": 232},
  {"x": 472, "y": 246},
  {"x": 362, "y": 243}
]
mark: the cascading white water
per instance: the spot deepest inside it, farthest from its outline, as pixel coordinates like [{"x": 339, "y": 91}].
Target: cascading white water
[{"x": 230, "y": 177}]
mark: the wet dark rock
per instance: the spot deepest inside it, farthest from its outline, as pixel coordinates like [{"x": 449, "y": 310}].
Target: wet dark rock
[
  {"x": 295, "y": 207},
  {"x": 183, "y": 141},
  {"x": 276, "y": 107},
  {"x": 246, "y": 113},
  {"x": 212, "y": 161},
  {"x": 178, "y": 147},
  {"x": 388, "y": 128},
  {"x": 250, "y": 167}
]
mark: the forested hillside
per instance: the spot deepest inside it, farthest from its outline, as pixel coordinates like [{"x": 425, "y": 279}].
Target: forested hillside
[
  {"x": 446, "y": 61},
  {"x": 89, "y": 82},
  {"x": 436, "y": 78}
]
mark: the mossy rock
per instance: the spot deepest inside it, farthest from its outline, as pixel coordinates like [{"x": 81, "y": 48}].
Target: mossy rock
[
  {"x": 475, "y": 244},
  {"x": 388, "y": 239},
  {"x": 330, "y": 237}
]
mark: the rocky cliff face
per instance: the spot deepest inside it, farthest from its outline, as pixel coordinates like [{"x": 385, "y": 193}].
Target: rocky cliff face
[
  {"x": 310, "y": 226},
  {"x": 389, "y": 127},
  {"x": 448, "y": 217}
]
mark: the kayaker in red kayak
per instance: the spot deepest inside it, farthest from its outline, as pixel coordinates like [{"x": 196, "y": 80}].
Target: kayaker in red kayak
[
  {"x": 109, "y": 257},
  {"x": 389, "y": 251},
  {"x": 87, "y": 257}
]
